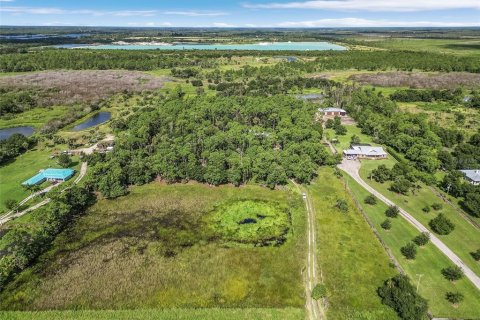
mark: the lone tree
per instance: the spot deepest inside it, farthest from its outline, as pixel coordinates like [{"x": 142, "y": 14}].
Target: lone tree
[
  {"x": 64, "y": 160},
  {"x": 342, "y": 205},
  {"x": 476, "y": 255},
  {"x": 319, "y": 292},
  {"x": 454, "y": 297},
  {"x": 426, "y": 209},
  {"x": 392, "y": 212},
  {"x": 371, "y": 200},
  {"x": 387, "y": 224},
  {"x": 399, "y": 294},
  {"x": 422, "y": 239},
  {"x": 409, "y": 251},
  {"x": 401, "y": 185},
  {"x": 452, "y": 273},
  {"x": 11, "y": 204},
  {"x": 441, "y": 225}
]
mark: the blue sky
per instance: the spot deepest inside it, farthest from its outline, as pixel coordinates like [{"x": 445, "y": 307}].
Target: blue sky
[{"x": 248, "y": 13}]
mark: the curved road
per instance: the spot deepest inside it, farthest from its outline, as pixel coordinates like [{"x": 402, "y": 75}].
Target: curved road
[{"x": 352, "y": 167}]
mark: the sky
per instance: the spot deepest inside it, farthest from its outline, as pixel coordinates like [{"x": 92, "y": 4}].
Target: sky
[{"x": 242, "y": 13}]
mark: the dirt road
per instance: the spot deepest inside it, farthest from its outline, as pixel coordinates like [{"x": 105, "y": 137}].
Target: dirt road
[
  {"x": 352, "y": 167},
  {"x": 314, "y": 308}
]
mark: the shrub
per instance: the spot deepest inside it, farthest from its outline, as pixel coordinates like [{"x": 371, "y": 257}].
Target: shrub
[
  {"x": 381, "y": 173},
  {"x": 320, "y": 291},
  {"x": 452, "y": 273},
  {"x": 454, "y": 297},
  {"x": 392, "y": 212},
  {"x": 441, "y": 225},
  {"x": 472, "y": 203},
  {"x": 422, "y": 239},
  {"x": 399, "y": 294},
  {"x": 426, "y": 209},
  {"x": 409, "y": 251},
  {"x": 11, "y": 204},
  {"x": 476, "y": 255},
  {"x": 342, "y": 205},
  {"x": 401, "y": 185},
  {"x": 387, "y": 224},
  {"x": 371, "y": 200},
  {"x": 64, "y": 160},
  {"x": 437, "y": 206}
]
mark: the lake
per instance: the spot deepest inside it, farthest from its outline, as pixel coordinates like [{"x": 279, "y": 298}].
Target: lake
[
  {"x": 6, "y": 133},
  {"x": 94, "y": 120},
  {"x": 262, "y": 46}
]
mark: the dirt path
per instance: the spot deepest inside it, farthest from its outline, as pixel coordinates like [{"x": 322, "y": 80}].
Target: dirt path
[
  {"x": 11, "y": 215},
  {"x": 314, "y": 308},
  {"x": 352, "y": 167}
]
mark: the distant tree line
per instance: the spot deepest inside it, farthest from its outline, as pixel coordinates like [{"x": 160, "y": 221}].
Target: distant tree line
[{"x": 413, "y": 95}]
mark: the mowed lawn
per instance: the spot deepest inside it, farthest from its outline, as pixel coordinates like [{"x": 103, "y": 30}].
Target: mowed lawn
[
  {"x": 169, "y": 314},
  {"x": 463, "y": 240},
  {"x": 427, "y": 265},
  {"x": 152, "y": 249},
  {"x": 352, "y": 261}
]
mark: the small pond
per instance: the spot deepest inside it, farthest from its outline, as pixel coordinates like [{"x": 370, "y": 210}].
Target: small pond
[
  {"x": 6, "y": 133},
  {"x": 94, "y": 120}
]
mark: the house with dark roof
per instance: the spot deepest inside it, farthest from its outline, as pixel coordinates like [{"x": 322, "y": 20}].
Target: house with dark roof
[{"x": 472, "y": 176}]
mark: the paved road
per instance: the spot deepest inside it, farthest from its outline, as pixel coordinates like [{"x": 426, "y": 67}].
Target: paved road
[
  {"x": 352, "y": 167},
  {"x": 314, "y": 308},
  {"x": 11, "y": 215}
]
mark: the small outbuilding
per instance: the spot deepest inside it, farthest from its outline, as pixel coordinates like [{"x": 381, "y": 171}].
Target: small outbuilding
[
  {"x": 333, "y": 112},
  {"x": 364, "y": 152},
  {"x": 49, "y": 175},
  {"x": 472, "y": 176}
]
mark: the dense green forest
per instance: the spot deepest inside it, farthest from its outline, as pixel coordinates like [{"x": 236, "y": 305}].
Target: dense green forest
[
  {"x": 216, "y": 141},
  {"x": 155, "y": 59}
]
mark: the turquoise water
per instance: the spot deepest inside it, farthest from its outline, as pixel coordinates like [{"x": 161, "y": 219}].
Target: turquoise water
[{"x": 274, "y": 46}]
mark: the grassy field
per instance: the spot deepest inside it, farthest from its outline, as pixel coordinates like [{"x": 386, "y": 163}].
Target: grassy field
[
  {"x": 35, "y": 117},
  {"x": 22, "y": 168},
  {"x": 353, "y": 263},
  {"x": 428, "y": 263},
  {"x": 463, "y": 240},
  {"x": 344, "y": 141},
  {"x": 172, "y": 314},
  {"x": 155, "y": 249}
]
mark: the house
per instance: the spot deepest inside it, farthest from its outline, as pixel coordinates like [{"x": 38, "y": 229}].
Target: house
[
  {"x": 333, "y": 112},
  {"x": 472, "y": 176},
  {"x": 49, "y": 175},
  {"x": 364, "y": 152}
]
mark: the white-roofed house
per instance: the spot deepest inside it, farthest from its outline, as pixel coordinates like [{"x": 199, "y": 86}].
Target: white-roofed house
[
  {"x": 472, "y": 176},
  {"x": 333, "y": 112},
  {"x": 364, "y": 152}
]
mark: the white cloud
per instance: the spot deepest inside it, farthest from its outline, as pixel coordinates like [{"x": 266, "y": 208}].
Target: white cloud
[
  {"x": 223, "y": 25},
  {"x": 149, "y": 24},
  {"x": 358, "y": 22},
  {"x": 196, "y": 13},
  {"x": 52, "y": 10},
  {"x": 372, "y": 5}
]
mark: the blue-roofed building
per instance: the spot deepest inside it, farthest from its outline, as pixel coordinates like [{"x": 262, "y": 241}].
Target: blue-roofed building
[{"x": 50, "y": 175}]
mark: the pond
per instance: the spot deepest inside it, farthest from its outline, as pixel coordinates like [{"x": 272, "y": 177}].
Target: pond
[
  {"x": 94, "y": 120},
  {"x": 6, "y": 133},
  {"x": 261, "y": 46}
]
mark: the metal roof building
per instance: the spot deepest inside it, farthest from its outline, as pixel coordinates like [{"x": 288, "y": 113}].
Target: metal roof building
[
  {"x": 473, "y": 176},
  {"x": 49, "y": 174}
]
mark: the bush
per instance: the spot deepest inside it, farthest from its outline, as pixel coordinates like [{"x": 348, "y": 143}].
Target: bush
[
  {"x": 476, "y": 255},
  {"x": 472, "y": 203},
  {"x": 422, "y": 239},
  {"x": 381, "y": 173},
  {"x": 399, "y": 294},
  {"x": 371, "y": 200},
  {"x": 319, "y": 292},
  {"x": 426, "y": 209},
  {"x": 401, "y": 185},
  {"x": 11, "y": 204},
  {"x": 387, "y": 224},
  {"x": 454, "y": 297},
  {"x": 441, "y": 225},
  {"x": 64, "y": 160},
  {"x": 392, "y": 212},
  {"x": 452, "y": 273},
  {"x": 409, "y": 251},
  {"x": 437, "y": 206},
  {"x": 342, "y": 205}
]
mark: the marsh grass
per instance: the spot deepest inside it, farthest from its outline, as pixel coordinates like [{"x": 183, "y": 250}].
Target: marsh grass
[{"x": 148, "y": 250}]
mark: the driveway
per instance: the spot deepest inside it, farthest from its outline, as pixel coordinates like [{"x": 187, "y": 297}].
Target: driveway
[{"x": 352, "y": 167}]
